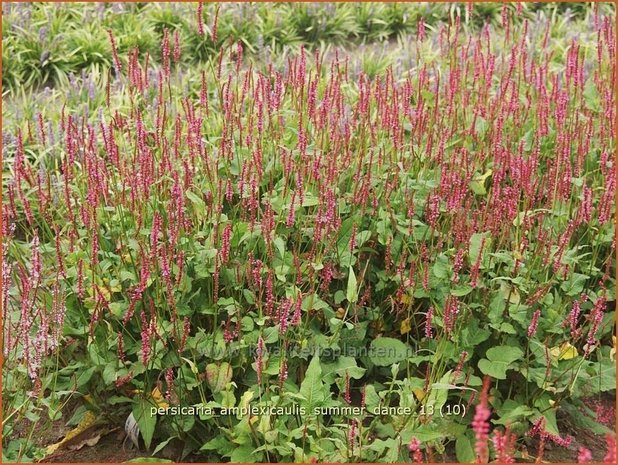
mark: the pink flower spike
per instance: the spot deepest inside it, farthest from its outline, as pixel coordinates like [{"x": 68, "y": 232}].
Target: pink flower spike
[
  {"x": 534, "y": 323},
  {"x": 584, "y": 455},
  {"x": 415, "y": 450},
  {"x": 610, "y": 457}
]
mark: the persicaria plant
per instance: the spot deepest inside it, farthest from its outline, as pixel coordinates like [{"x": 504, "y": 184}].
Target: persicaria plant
[{"x": 434, "y": 243}]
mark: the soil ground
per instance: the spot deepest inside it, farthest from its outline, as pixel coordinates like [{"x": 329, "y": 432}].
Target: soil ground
[{"x": 114, "y": 448}]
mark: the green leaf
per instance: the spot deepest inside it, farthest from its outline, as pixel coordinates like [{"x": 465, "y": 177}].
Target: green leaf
[
  {"x": 424, "y": 433},
  {"x": 545, "y": 409},
  {"x": 475, "y": 245},
  {"x": 345, "y": 233},
  {"x": 118, "y": 309},
  {"x": 512, "y": 411},
  {"x": 480, "y": 126},
  {"x": 478, "y": 188},
  {"x": 385, "y": 351},
  {"x": 352, "y": 291},
  {"x": 145, "y": 421},
  {"x": 575, "y": 284},
  {"x": 464, "y": 450},
  {"x": 591, "y": 96},
  {"x": 438, "y": 394},
  {"x": 243, "y": 454},
  {"x": 440, "y": 267},
  {"x": 198, "y": 203},
  {"x": 228, "y": 399},
  {"x": 371, "y": 397},
  {"x": 498, "y": 360},
  {"x": 271, "y": 334},
  {"x": 85, "y": 376},
  {"x": 220, "y": 444},
  {"x": 312, "y": 388},
  {"x": 362, "y": 237},
  {"x": 342, "y": 366},
  {"x": 478, "y": 183},
  {"x": 280, "y": 245},
  {"x": 460, "y": 291},
  {"x": 162, "y": 445},
  {"x": 472, "y": 335},
  {"x": 310, "y": 200}
]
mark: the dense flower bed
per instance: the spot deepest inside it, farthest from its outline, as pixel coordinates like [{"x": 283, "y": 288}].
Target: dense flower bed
[{"x": 433, "y": 247}]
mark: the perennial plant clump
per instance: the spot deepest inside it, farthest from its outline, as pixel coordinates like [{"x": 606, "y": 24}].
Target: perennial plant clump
[{"x": 433, "y": 246}]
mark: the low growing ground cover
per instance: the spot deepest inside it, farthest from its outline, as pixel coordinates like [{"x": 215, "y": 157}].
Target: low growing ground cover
[{"x": 292, "y": 260}]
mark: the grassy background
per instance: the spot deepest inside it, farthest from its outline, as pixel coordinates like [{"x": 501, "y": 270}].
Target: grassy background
[{"x": 44, "y": 44}]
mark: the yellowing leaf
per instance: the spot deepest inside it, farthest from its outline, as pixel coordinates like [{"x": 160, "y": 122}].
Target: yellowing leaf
[
  {"x": 405, "y": 326},
  {"x": 105, "y": 293},
  {"x": 555, "y": 352},
  {"x": 478, "y": 183},
  {"x": 419, "y": 393},
  {"x": 406, "y": 299},
  {"x": 565, "y": 352},
  {"x": 244, "y": 401},
  {"x": 612, "y": 352},
  {"x": 218, "y": 375},
  {"x": 158, "y": 398},
  {"x": 482, "y": 177},
  {"x": 514, "y": 297},
  {"x": 87, "y": 421}
]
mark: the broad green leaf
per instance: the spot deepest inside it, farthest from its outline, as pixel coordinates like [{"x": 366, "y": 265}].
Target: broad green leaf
[
  {"x": 478, "y": 183},
  {"x": 219, "y": 443},
  {"x": 352, "y": 291},
  {"x": 342, "y": 366},
  {"x": 161, "y": 445},
  {"x": 243, "y": 454},
  {"x": 385, "y": 351},
  {"x": 371, "y": 397},
  {"x": 312, "y": 388},
  {"x": 575, "y": 284},
  {"x": 424, "y": 433},
  {"x": 198, "y": 203},
  {"x": 464, "y": 449},
  {"x": 362, "y": 237},
  {"x": 438, "y": 394},
  {"x": 280, "y": 245},
  {"x": 461, "y": 291},
  {"x": 475, "y": 245},
  {"x": 472, "y": 335},
  {"x": 345, "y": 233},
  {"x": 498, "y": 360},
  {"x": 440, "y": 267},
  {"x": 145, "y": 420},
  {"x": 512, "y": 411},
  {"x": 591, "y": 96},
  {"x": 310, "y": 200}
]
